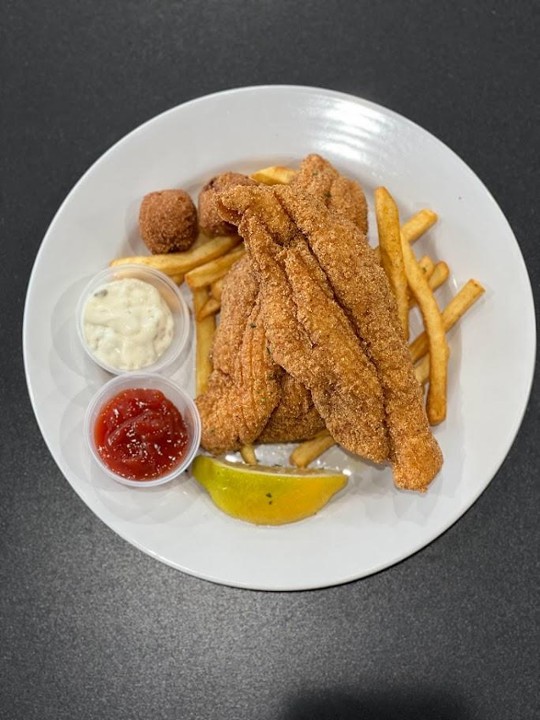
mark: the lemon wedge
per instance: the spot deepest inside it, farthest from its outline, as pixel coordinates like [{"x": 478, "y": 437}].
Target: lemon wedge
[{"x": 266, "y": 495}]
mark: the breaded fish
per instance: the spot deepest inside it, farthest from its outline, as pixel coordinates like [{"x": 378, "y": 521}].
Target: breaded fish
[
  {"x": 322, "y": 182},
  {"x": 295, "y": 418},
  {"x": 249, "y": 396},
  {"x": 245, "y": 384},
  {"x": 362, "y": 290},
  {"x": 307, "y": 331},
  {"x": 231, "y": 416}
]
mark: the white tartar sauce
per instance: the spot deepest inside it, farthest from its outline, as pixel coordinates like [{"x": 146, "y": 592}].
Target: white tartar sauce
[{"x": 127, "y": 324}]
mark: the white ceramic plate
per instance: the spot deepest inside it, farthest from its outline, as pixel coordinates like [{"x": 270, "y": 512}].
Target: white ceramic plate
[{"x": 370, "y": 525}]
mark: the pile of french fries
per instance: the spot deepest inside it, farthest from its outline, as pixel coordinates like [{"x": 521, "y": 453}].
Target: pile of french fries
[{"x": 413, "y": 282}]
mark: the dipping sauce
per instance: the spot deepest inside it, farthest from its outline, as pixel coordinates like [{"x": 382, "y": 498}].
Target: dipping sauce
[
  {"x": 140, "y": 435},
  {"x": 127, "y": 324}
]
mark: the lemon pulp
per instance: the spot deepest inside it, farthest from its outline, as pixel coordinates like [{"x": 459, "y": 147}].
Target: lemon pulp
[{"x": 266, "y": 495}]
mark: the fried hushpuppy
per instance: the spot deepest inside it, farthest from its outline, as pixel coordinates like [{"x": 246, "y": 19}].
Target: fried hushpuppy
[{"x": 168, "y": 221}]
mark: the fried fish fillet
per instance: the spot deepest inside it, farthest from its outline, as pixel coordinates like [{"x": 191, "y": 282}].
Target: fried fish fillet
[
  {"x": 249, "y": 397},
  {"x": 295, "y": 418},
  {"x": 245, "y": 384},
  {"x": 307, "y": 331},
  {"x": 312, "y": 292},
  {"x": 361, "y": 288},
  {"x": 240, "y": 291},
  {"x": 322, "y": 182},
  {"x": 230, "y": 414}
]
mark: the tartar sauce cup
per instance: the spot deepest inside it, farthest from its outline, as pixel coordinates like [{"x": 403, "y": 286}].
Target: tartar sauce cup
[
  {"x": 168, "y": 291},
  {"x": 147, "y": 381}
]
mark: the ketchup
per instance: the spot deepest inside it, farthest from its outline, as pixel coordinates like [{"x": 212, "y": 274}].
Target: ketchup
[{"x": 140, "y": 434}]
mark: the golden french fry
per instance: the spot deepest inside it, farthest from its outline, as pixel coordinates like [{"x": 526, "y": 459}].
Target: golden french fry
[
  {"x": 274, "y": 175},
  {"x": 248, "y": 454},
  {"x": 310, "y": 450},
  {"x": 427, "y": 265},
  {"x": 438, "y": 347},
  {"x": 210, "y": 307},
  {"x": 392, "y": 252},
  {"x": 440, "y": 274},
  {"x": 418, "y": 224},
  {"x": 183, "y": 262},
  {"x": 178, "y": 278},
  {"x": 421, "y": 370},
  {"x": 215, "y": 269},
  {"x": 415, "y": 227},
  {"x": 464, "y": 300},
  {"x": 204, "y": 334},
  {"x": 202, "y": 239},
  {"x": 436, "y": 279},
  {"x": 216, "y": 288},
  {"x": 457, "y": 307}
]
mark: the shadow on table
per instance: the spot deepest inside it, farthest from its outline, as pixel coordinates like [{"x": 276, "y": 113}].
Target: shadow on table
[{"x": 378, "y": 705}]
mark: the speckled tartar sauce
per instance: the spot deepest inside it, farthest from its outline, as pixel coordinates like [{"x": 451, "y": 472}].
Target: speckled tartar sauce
[{"x": 127, "y": 324}]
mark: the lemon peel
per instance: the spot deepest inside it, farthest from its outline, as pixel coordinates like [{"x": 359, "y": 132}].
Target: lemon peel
[{"x": 266, "y": 495}]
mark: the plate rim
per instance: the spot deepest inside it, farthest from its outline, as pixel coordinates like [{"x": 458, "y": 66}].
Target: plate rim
[{"x": 462, "y": 508}]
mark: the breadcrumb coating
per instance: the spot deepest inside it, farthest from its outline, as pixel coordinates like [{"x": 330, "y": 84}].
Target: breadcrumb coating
[{"x": 319, "y": 179}]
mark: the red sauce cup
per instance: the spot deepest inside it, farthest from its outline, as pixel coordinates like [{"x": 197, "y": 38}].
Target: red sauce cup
[{"x": 147, "y": 381}]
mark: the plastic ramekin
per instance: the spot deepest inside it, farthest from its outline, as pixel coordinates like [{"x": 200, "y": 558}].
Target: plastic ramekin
[
  {"x": 172, "y": 392},
  {"x": 168, "y": 290}
]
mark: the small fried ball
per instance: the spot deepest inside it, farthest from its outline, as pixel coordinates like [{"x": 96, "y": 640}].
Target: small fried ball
[
  {"x": 209, "y": 219},
  {"x": 168, "y": 221}
]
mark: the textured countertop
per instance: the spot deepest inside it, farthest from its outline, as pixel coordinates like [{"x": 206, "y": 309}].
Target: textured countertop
[{"x": 90, "y": 627}]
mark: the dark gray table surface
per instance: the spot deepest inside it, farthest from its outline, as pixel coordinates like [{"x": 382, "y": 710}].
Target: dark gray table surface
[{"x": 92, "y": 628}]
